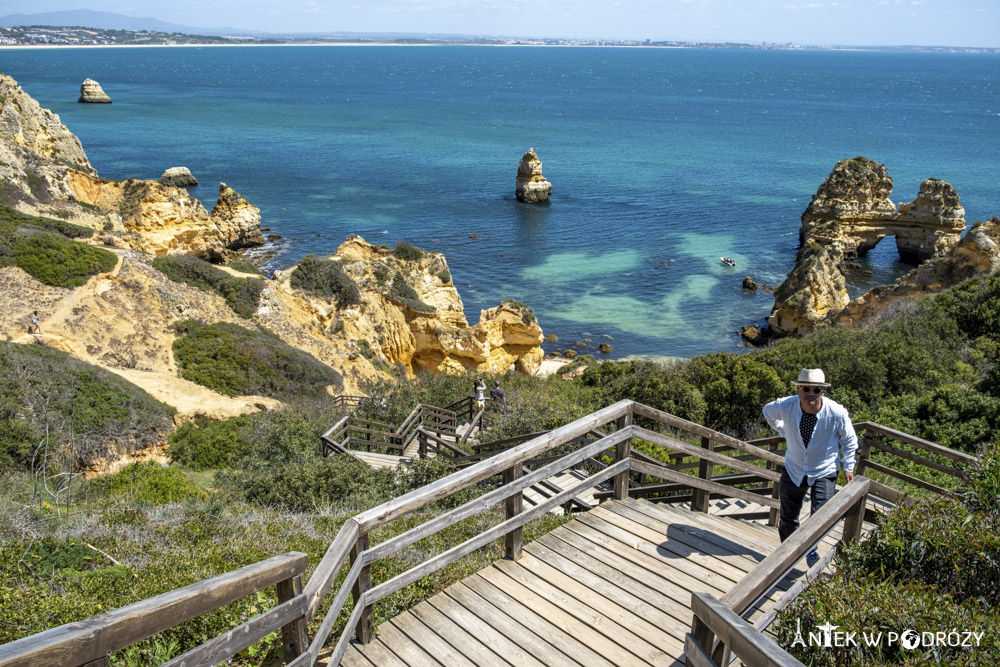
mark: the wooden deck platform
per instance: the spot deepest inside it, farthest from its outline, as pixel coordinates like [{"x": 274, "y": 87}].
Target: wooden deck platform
[{"x": 611, "y": 587}]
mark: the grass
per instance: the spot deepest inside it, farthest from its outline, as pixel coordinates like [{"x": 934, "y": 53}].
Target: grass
[{"x": 241, "y": 294}]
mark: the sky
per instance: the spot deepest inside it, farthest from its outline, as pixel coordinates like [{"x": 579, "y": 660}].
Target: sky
[{"x": 846, "y": 22}]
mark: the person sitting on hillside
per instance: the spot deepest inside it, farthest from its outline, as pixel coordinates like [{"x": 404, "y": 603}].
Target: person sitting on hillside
[
  {"x": 498, "y": 399},
  {"x": 815, "y": 428}
]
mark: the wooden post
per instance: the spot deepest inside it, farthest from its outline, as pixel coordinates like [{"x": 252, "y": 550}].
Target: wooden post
[
  {"x": 513, "y": 505},
  {"x": 699, "y": 503},
  {"x": 854, "y": 520},
  {"x": 365, "y": 630},
  {"x": 773, "y": 514},
  {"x": 293, "y": 635},
  {"x": 623, "y": 451},
  {"x": 864, "y": 452},
  {"x": 422, "y": 444},
  {"x": 702, "y": 634}
]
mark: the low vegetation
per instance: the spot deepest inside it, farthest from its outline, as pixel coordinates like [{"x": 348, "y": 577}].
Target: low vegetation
[
  {"x": 404, "y": 295},
  {"x": 53, "y": 406},
  {"x": 241, "y": 294},
  {"x": 407, "y": 252},
  {"x": 326, "y": 279},
  {"x": 234, "y": 360},
  {"x": 44, "y": 248},
  {"x": 248, "y": 488}
]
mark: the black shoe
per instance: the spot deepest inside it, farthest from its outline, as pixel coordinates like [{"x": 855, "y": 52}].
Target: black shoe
[{"x": 812, "y": 558}]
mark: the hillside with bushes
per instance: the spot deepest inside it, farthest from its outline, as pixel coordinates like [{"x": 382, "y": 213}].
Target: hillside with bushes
[{"x": 244, "y": 489}]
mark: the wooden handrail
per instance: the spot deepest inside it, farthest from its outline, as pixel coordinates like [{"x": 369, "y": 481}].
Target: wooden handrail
[
  {"x": 753, "y": 648},
  {"x": 94, "y": 638}
]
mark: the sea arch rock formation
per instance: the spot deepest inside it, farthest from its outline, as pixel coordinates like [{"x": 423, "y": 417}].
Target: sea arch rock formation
[{"x": 849, "y": 215}]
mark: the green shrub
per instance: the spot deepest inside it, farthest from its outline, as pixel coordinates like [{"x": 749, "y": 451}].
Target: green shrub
[
  {"x": 244, "y": 266},
  {"x": 149, "y": 484},
  {"x": 87, "y": 412},
  {"x": 445, "y": 276},
  {"x": 407, "y": 252},
  {"x": 326, "y": 279},
  {"x": 527, "y": 314},
  {"x": 206, "y": 443},
  {"x": 51, "y": 258},
  {"x": 233, "y": 360},
  {"x": 241, "y": 294},
  {"x": 66, "y": 229},
  {"x": 402, "y": 294}
]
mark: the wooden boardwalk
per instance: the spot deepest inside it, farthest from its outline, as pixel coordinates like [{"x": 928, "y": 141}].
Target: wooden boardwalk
[{"x": 611, "y": 587}]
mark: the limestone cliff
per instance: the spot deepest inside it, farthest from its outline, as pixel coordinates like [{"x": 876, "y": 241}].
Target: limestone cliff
[
  {"x": 849, "y": 215},
  {"x": 36, "y": 152},
  {"x": 425, "y": 332},
  {"x": 531, "y": 186},
  {"x": 977, "y": 254}
]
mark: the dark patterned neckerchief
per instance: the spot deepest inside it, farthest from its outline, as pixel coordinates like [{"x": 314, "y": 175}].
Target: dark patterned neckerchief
[{"x": 806, "y": 426}]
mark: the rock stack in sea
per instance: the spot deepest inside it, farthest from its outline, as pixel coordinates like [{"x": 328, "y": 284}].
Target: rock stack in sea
[
  {"x": 178, "y": 177},
  {"x": 92, "y": 93},
  {"x": 532, "y": 187},
  {"x": 850, "y": 213}
]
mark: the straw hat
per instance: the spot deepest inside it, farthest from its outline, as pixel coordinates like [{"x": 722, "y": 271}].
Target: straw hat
[{"x": 813, "y": 377}]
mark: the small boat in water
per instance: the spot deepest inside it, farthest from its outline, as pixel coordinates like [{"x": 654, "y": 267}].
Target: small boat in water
[{"x": 728, "y": 260}]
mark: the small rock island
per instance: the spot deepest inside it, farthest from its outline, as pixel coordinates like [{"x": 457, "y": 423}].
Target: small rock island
[
  {"x": 532, "y": 188},
  {"x": 92, "y": 93}
]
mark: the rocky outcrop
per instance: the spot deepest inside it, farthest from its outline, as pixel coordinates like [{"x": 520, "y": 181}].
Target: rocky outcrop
[
  {"x": 92, "y": 93},
  {"x": 977, "y": 254},
  {"x": 161, "y": 219},
  {"x": 178, "y": 177},
  {"x": 532, "y": 187},
  {"x": 36, "y": 153},
  {"x": 849, "y": 215},
  {"x": 435, "y": 338}
]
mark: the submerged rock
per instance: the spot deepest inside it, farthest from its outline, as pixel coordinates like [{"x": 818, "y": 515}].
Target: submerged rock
[
  {"x": 92, "y": 93},
  {"x": 178, "y": 177},
  {"x": 532, "y": 187}
]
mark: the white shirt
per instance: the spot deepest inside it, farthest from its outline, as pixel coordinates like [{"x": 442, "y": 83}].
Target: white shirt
[{"x": 834, "y": 431}]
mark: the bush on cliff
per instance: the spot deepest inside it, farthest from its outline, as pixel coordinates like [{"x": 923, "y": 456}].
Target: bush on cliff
[
  {"x": 326, "y": 279},
  {"x": 407, "y": 252},
  {"x": 241, "y": 294},
  {"x": 233, "y": 360},
  {"x": 51, "y": 258},
  {"x": 404, "y": 295},
  {"x": 86, "y": 412},
  {"x": 206, "y": 443},
  {"x": 62, "y": 227}
]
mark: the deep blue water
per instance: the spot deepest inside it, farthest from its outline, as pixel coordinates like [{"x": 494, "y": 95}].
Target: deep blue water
[{"x": 661, "y": 160}]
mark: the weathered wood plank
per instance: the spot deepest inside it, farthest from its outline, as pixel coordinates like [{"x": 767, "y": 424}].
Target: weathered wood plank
[
  {"x": 908, "y": 478},
  {"x": 658, "y": 545},
  {"x": 428, "y": 639},
  {"x": 354, "y": 658},
  {"x": 569, "y": 624},
  {"x": 491, "y": 626},
  {"x": 230, "y": 643},
  {"x": 699, "y": 430},
  {"x": 570, "y": 647},
  {"x": 694, "y": 482},
  {"x": 408, "y": 651},
  {"x": 751, "y": 646},
  {"x": 782, "y": 559},
  {"x": 704, "y": 454},
  {"x": 627, "y": 629},
  {"x": 903, "y": 454},
  {"x": 695, "y": 655},
  {"x": 629, "y": 586},
  {"x": 98, "y": 636},
  {"x": 456, "y": 635},
  {"x": 926, "y": 445}
]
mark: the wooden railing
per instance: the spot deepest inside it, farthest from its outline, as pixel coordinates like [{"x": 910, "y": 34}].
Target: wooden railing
[
  {"x": 735, "y": 634},
  {"x": 353, "y": 433},
  {"x": 600, "y": 442},
  {"x": 89, "y": 642}
]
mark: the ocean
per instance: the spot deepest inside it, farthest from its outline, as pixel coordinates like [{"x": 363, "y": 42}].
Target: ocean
[{"x": 661, "y": 160}]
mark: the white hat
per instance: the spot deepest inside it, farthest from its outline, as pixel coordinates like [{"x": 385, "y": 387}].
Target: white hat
[{"x": 812, "y": 376}]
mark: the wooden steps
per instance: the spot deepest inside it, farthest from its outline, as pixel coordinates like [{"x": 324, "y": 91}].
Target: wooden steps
[{"x": 611, "y": 587}]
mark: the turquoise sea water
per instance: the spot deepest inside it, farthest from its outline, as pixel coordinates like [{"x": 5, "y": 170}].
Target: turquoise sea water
[{"x": 661, "y": 160}]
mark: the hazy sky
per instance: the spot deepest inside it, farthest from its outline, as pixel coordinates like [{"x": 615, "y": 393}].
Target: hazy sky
[{"x": 853, "y": 22}]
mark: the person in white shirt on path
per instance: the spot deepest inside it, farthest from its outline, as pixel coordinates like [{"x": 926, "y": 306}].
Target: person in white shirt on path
[{"x": 816, "y": 428}]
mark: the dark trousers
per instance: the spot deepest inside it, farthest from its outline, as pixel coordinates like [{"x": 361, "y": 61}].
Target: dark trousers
[{"x": 791, "y": 497}]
